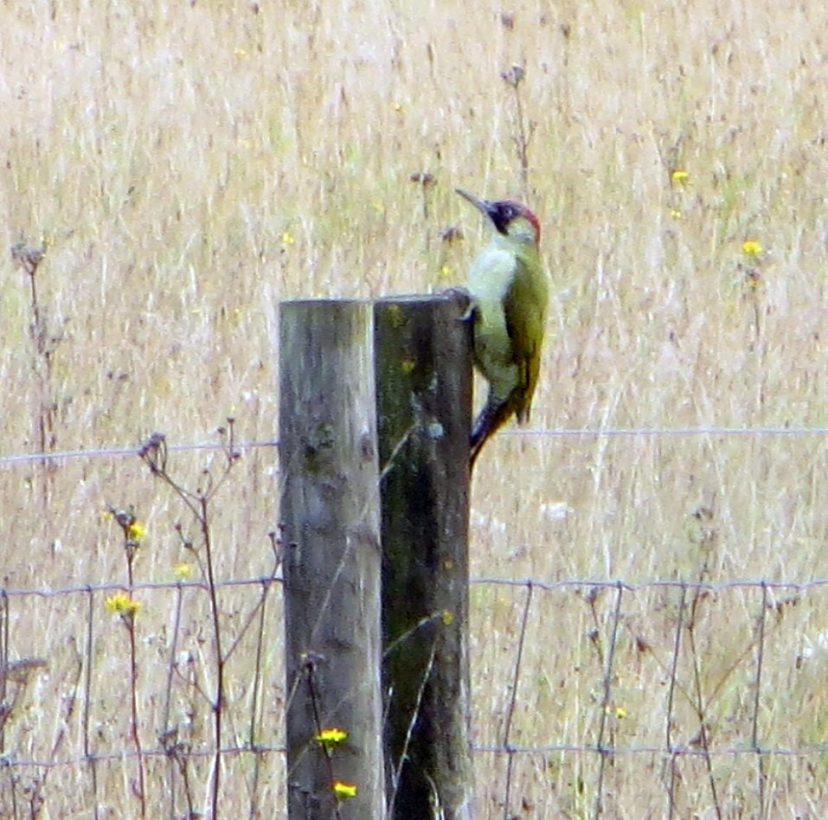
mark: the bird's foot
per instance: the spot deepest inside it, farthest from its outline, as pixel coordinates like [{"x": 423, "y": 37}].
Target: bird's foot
[
  {"x": 457, "y": 292},
  {"x": 464, "y": 299}
]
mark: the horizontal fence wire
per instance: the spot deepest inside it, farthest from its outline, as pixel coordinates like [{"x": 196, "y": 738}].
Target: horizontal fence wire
[
  {"x": 701, "y": 586},
  {"x": 13, "y": 459},
  {"x": 580, "y": 583},
  {"x": 130, "y": 754},
  {"x": 125, "y": 452},
  {"x": 58, "y": 592},
  {"x": 511, "y": 750},
  {"x": 673, "y": 751}
]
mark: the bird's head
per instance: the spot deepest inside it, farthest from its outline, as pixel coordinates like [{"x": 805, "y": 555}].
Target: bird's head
[{"x": 511, "y": 219}]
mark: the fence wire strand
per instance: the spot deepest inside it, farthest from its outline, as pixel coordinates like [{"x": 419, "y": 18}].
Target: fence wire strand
[{"x": 127, "y": 451}]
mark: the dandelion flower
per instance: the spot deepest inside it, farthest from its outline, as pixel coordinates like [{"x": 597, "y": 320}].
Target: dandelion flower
[
  {"x": 121, "y": 604},
  {"x": 136, "y": 532},
  {"x": 330, "y": 737},
  {"x": 344, "y": 791},
  {"x": 752, "y": 248},
  {"x": 680, "y": 177}
]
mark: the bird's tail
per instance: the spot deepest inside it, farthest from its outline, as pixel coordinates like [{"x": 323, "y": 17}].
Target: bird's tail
[{"x": 494, "y": 415}]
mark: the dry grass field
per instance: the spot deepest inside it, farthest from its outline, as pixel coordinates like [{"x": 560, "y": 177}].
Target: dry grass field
[{"x": 188, "y": 165}]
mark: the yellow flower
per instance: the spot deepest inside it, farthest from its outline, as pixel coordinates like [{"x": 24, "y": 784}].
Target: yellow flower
[
  {"x": 448, "y": 617},
  {"x": 121, "y": 604},
  {"x": 330, "y": 737},
  {"x": 676, "y": 214},
  {"x": 183, "y": 571},
  {"x": 344, "y": 791},
  {"x": 136, "y": 532},
  {"x": 752, "y": 248},
  {"x": 680, "y": 177},
  {"x": 618, "y": 712},
  {"x": 287, "y": 239}
]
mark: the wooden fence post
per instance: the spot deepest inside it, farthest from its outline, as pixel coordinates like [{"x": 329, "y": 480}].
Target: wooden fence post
[
  {"x": 424, "y": 388},
  {"x": 330, "y": 530}
]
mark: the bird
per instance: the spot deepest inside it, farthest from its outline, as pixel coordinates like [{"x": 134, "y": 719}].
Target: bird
[{"x": 509, "y": 292}]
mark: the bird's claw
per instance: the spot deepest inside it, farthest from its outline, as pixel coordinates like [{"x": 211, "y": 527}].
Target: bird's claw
[{"x": 462, "y": 295}]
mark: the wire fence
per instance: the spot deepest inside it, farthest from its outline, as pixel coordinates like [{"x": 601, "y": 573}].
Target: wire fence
[
  {"x": 711, "y": 660},
  {"x": 126, "y": 451}
]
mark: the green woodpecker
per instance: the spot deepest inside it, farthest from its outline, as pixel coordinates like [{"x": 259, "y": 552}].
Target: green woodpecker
[{"x": 509, "y": 292}]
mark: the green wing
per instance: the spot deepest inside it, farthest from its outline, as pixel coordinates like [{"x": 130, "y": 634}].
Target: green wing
[{"x": 525, "y": 308}]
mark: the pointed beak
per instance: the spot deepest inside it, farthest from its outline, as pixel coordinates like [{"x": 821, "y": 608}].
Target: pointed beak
[{"x": 482, "y": 205}]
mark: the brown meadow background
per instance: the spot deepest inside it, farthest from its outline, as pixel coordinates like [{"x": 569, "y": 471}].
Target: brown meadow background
[{"x": 188, "y": 165}]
